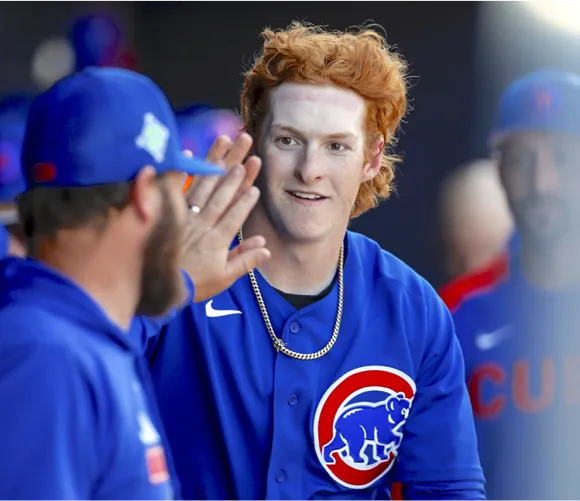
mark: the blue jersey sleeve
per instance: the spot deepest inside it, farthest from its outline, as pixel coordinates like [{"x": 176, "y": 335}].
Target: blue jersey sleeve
[
  {"x": 47, "y": 426},
  {"x": 144, "y": 331},
  {"x": 3, "y": 242},
  {"x": 439, "y": 458}
]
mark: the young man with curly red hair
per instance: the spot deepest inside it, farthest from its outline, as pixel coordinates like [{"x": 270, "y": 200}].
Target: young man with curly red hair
[{"x": 333, "y": 369}]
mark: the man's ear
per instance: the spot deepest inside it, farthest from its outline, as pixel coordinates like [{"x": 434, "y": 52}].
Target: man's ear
[
  {"x": 145, "y": 195},
  {"x": 373, "y": 166}
]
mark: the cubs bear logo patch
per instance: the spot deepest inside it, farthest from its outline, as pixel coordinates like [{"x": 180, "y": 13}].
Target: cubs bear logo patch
[{"x": 358, "y": 424}]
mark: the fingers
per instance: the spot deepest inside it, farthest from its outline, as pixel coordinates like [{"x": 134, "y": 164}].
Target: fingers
[
  {"x": 218, "y": 149},
  {"x": 237, "y": 213},
  {"x": 228, "y": 154},
  {"x": 224, "y": 152},
  {"x": 245, "y": 261},
  {"x": 257, "y": 242},
  {"x": 223, "y": 196},
  {"x": 200, "y": 190},
  {"x": 252, "y": 166},
  {"x": 239, "y": 150}
]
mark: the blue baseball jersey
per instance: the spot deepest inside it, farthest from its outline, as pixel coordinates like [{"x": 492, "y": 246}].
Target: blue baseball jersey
[
  {"x": 79, "y": 418},
  {"x": 4, "y": 242},
  {"x": 387, "y": 402},
  {"x": 522, "y": 357}
]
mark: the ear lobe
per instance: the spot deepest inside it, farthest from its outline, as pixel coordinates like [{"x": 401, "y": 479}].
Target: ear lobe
[
  {"x": 373, "y": 166},
  {"x": 145, "y": 194}
]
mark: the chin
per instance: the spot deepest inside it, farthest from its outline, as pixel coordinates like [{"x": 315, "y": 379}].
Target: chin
[{"x": 306, "y": 232}]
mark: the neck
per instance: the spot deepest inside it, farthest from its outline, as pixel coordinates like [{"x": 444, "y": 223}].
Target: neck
[
  {"x": 554, "y": 267},
  {"x": 110, "y": 281},
  {"x": 296, "y": 267}
]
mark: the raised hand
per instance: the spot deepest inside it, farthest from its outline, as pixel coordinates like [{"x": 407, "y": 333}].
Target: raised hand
[
  {"x": 227, "y": 154},
  {"x": 219, "y": 207}
]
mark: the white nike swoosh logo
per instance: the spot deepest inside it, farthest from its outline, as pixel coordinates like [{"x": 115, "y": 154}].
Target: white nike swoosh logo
[
  {"x": 488, "y": 340},
  {"x": 211, "y": 312}
]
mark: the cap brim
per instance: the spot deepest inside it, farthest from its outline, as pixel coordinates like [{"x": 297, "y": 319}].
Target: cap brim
[{"x": 197, "y": 167}]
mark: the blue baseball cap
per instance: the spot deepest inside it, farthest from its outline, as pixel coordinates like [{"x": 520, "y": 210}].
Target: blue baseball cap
[
  {"x": 101, "y": 126},
  {"x": 545, "y": 101},
  {"x": 13, "y": 114},
  {"x": 11, "y": 180},
  {"x": 200, "y": 125}
]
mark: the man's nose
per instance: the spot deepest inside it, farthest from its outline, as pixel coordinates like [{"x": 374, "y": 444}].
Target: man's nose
[
  {"x": 310, "y": 168},
  {"x": 545, "y": 179}
]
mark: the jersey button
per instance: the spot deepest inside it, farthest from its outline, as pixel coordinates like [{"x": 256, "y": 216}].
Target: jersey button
[
  {"x": 280, "y": 476},
  {"x": 293, "y": 399},
  {"x": 294, "y": 327}
]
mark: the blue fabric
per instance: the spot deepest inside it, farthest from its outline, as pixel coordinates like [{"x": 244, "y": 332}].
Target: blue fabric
[
  {"x": 4, "y": 241},
  {"x": 79, "y": 418},
  {"x": 13, "y": 115},
  {"x": 522, "y": 356},
  {"x": 542, "y": 101},
  {"x": 244, "y": 422},
  {"x": 99, "y": 126}
]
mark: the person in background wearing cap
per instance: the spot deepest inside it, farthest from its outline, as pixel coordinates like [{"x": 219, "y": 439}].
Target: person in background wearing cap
[
  {"x": 104, "y": 219},
  {"x": 200, "y": 125},
  {"x": 518, "y": 329},
  {"x": 13, "y": 113}
]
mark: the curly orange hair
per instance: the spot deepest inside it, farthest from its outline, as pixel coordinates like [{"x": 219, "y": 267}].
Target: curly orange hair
[{"x": 357, "y": 60}]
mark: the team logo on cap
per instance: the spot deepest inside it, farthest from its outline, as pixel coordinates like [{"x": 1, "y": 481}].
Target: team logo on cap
[
  {"x": 358, "y": 425},
  {"x": 544, "y": 100},
  {"x": 153, "y": 137}
]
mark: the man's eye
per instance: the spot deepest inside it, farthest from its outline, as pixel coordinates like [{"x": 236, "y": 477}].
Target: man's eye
[
  {"x": 337, "y": 147},
  {"x": 285, "y": 141}
]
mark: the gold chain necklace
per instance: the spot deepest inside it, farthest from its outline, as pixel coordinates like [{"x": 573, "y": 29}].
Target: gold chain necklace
[{"x": 276, "y": 341}]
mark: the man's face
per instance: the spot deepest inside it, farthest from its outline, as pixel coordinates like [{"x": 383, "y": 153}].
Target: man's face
[
  {"x": 541, "y": 175},
  {"x": 162, "y": 284},
  {"x": 312, "y": 144}
]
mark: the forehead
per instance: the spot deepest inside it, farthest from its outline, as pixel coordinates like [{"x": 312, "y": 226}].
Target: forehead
[{"x": 316, "y": 108}]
